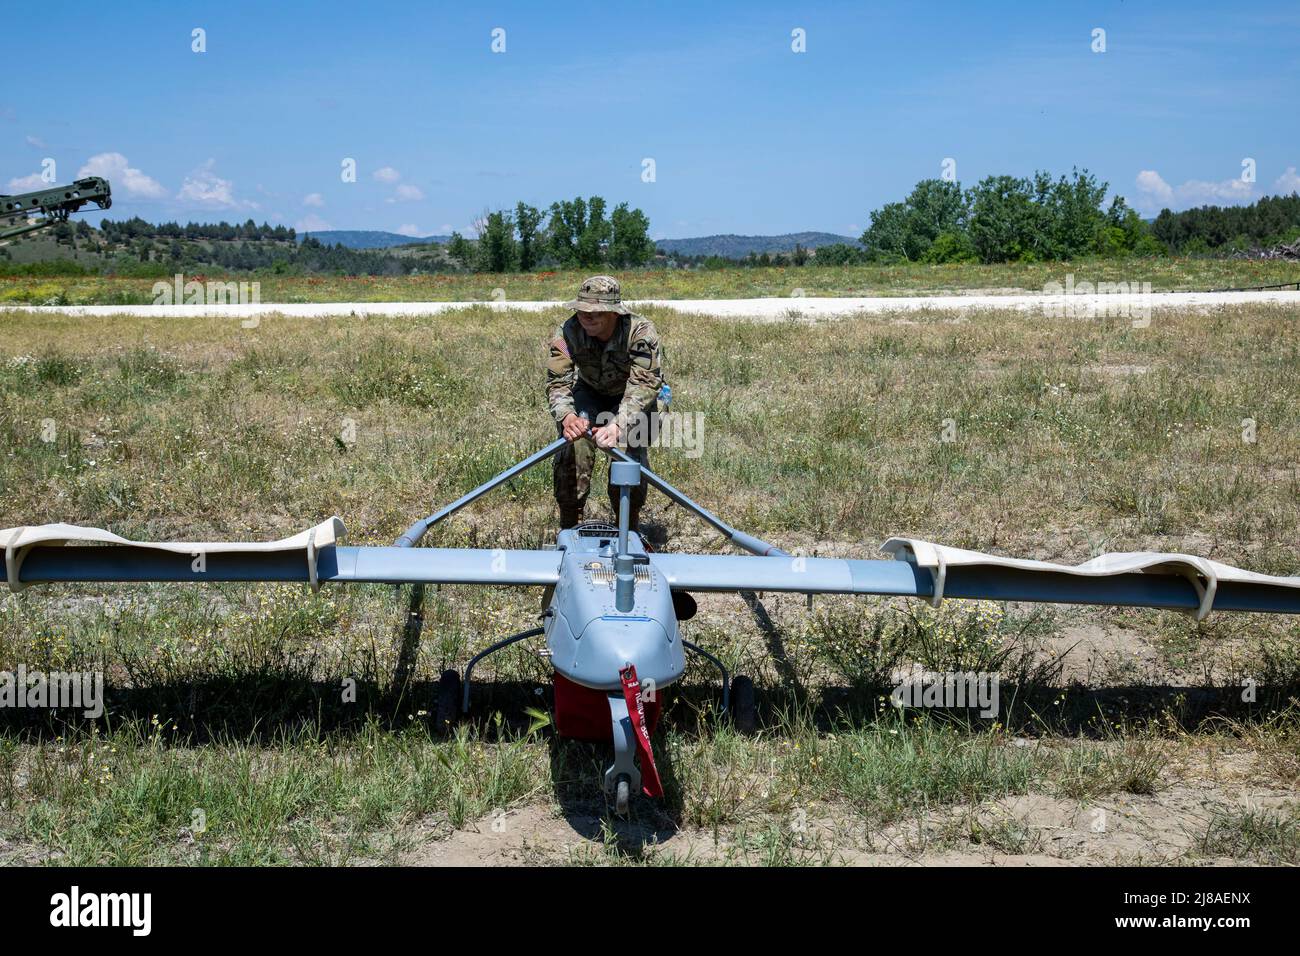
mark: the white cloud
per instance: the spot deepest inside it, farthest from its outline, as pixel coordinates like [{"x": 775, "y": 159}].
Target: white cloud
[
  {"x": 408, "y": 229},
  {"x": 313, "y": 199},
  {"x": 407, "y": 193},
  {"x": 27, "y": 184},
  {"x": 122, "y": 176},
  {"x": 311, "y": 223},
  {"x": 1150, "y": 183},
  {"x": 1155, "y": 194},
  {"x": 37, "y": 142},
  {"x": 205, "y": 186},
  {"x": 1287, "y": 183},
  {"x": 387, "y": 174},
  {"x": 1200, "y": 192},
  {"x": 446, "y": 229}
]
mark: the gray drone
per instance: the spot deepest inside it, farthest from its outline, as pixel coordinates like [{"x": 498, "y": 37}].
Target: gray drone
[{"x": 612, "y": 608}]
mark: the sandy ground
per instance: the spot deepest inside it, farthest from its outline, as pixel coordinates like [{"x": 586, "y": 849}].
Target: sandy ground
[
  {"x": 1164, "y": 828},
  {"x": 770, "y": 309}
]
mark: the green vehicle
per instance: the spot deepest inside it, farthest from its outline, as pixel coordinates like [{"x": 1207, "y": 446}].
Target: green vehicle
[{"x": 28, "y": 212}]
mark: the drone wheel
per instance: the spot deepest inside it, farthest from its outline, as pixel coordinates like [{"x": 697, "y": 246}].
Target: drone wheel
[
  {"x": 744, "y": 713},
  {"x": 622, "y": 796},
  {"x": 447, "y": 709}
]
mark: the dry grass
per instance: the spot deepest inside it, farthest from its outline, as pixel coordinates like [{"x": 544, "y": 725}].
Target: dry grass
[{"x": 1072, "y": 437}]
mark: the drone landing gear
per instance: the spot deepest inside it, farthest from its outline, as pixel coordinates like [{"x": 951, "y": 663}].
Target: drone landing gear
[
  {"x": 744, "y": 712},
  {"x": 473, "y": 661},
  {"x": 623, "y": 776},
  {"x": 737, "y": 693},
  {"x": 447, "y": 707}
]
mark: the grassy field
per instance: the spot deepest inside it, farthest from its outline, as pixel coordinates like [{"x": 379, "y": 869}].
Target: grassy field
[
  {"x": 228, "y": 740},
  {"x": 1164, "y": 274}
]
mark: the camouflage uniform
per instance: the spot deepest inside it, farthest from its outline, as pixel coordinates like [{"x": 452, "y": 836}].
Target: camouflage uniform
[{"x": 619, "y": 379}]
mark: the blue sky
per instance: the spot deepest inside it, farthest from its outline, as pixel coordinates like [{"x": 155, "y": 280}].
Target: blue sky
[{"x": 746, "y": 135}]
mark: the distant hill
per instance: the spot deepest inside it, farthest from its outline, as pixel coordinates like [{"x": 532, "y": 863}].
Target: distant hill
[
  {"x": 137, "y": 249},
  {"x": 368, "y": 238},
  {"x": 737, "y": 247},
  {"x": 729, "y": 246}
]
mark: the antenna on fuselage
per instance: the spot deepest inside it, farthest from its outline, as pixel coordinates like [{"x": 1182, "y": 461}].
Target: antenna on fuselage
[{"x": 624, "y": 475}]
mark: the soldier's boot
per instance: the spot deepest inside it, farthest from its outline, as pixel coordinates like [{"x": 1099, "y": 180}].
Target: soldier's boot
[{"x": 570, "y": 516}]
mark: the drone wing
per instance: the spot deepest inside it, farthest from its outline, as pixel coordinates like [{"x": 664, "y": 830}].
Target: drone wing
[
  {"x": 62, "y": 552},
  {"x": 931, "y": 571}
]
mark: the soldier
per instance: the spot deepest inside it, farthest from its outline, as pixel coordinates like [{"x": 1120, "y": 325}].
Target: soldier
[{"x": 602, "y": 386}]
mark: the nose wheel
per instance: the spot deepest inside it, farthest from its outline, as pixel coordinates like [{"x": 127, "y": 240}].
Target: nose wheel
[{"x": 624, "y": 774}]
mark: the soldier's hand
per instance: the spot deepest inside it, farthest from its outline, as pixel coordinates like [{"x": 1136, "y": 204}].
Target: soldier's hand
[
  {"x": 607, "y": 435},
  {"x": 574, "y": 427}
]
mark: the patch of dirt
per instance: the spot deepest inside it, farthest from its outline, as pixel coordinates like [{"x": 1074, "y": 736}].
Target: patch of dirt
[
  {"x": 1119, "y": 371},
  {"x": 1094, "y": 653},
  {"x": 542, "y": 833},
  {"x": 1157, "y": 829},
  {"x": 1031, "y": 830}
]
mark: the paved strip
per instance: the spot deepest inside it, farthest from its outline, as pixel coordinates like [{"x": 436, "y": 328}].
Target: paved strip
[{"x": 795, "y": 307}]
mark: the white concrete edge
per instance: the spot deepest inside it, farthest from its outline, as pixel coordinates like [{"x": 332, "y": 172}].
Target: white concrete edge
[{"x": 1081, "y": 306}]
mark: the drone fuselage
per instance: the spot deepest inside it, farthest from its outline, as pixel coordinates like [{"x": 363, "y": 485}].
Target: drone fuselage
[{"x": 589, "y": 639}]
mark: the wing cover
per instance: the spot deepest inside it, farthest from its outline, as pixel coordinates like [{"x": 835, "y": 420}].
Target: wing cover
[
  {"x": 925, "y": 570},
  {"x": 1212, "y": 585}
]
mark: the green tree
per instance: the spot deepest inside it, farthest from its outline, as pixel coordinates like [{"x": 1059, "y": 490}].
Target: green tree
[
  {"x": 886, "y": 239},
  {"x": 527, "y": 221},
  {"x": 1004, "y": 220},
  {"x": 497, "y": 250},
  {"x": 630, "y": 244},
  {"x": 459, "y": 250},
  {"x": 567, "y": 223},
  {"x": 937, "y": 206},
  {"x": 837, "y": 254},
  {"x": 906, "y": 230},
  {"x": 595, "y": 236},
  {"x": 953, "y": 245},
  {"x": 1071, "y": 217}
]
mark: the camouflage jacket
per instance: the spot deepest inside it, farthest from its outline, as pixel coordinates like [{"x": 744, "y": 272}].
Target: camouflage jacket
[{"x": 630, "y": 364}]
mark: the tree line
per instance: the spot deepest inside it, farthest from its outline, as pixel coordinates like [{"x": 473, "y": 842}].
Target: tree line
[
  {"x": 574, "y": 233},
  {"x": 1039, "y": 218},
  {"x": 1004, "y": 219},
  {"x": 156, "y": 255},
  {"x": 137, "y": 228},
  {"x": 1270, "y": 221}
]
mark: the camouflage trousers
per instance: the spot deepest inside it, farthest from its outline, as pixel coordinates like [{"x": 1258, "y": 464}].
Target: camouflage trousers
[{"x": 573, "y": 464}]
